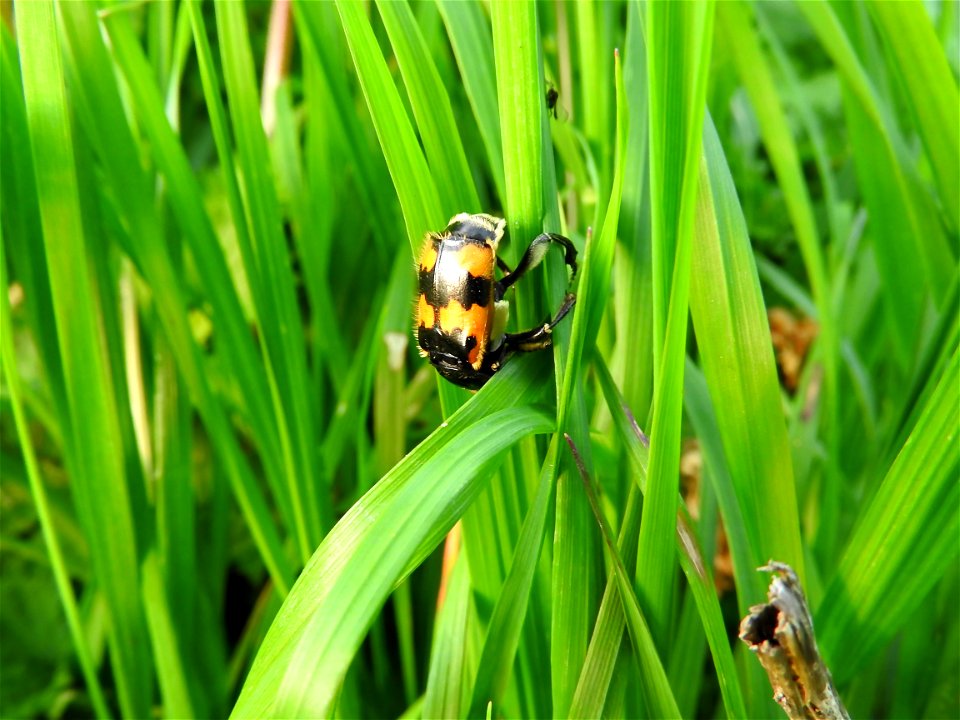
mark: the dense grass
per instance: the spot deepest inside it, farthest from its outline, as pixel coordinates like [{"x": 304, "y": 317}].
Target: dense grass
[{"x": 227, "y": 475}]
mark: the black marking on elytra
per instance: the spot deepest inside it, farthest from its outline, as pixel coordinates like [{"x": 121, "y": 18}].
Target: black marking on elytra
[{"x": 467, "y": 289}]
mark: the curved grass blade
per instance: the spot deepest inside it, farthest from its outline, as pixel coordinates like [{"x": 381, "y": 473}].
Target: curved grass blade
[{"x": 383, "y": 537}]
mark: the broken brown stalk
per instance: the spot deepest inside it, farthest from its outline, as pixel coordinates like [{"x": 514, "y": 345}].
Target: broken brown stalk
[{"x": 781, "y": 634}]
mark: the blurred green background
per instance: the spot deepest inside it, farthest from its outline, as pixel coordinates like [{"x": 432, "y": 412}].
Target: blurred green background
[{"x": 227, "y": 475}]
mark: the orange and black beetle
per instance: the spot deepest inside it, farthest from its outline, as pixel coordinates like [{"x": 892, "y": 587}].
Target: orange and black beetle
[{"x": 461, "y": 313}]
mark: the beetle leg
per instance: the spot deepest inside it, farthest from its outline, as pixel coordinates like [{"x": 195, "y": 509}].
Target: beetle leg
[
  {"x": 539, "y": 338},
  {"x": 534, "y": 254}
]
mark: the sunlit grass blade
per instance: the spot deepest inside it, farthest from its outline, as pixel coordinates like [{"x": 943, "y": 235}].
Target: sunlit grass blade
[
  {"x": 633, "y": 359},
  {"x": 737, "y": 359},
  {"x": 99, "y": 480},
  {"x": 904, "y": 541},
  {"x": 677, "y": 104},
  {"x": 306, "y": 654},
  {"x": 520, "y": 98}
]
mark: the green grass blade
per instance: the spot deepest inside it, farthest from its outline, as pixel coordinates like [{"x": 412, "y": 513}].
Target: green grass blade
[
  {"x": 422, "y": 209},
  {"x": 657, "y": 693},
  {"x": 97, "y": 465},
  {"x": 689, "y": 552},
  {"x": 735, "y": 351},
  {"x": 735, "y": 19},
  {"x": 503, "y": 630},
  {"x": 921, "y": 63},
  {"x": 53, "y": 543},
  {"x": 898, "y": 206},
  {"x": 904, "y": 541},
  {"x": 419, "y": 199},
  {"x": 279, "y": 314},
  {"x": 153, "y": 261},
  {"x": 633, "y": 361},
  {"x": 447, "y": 682},
  {"x": 431, "y": 108},
  {"x": 677, "y": 101},
  {"x": 417, "y": 502},
  {"x": 520, "y": 91},
  {"x": 173, "y": 682},
  {"x": 472, "y": 45}
]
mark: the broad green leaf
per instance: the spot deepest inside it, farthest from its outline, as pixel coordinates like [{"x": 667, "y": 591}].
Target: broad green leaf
[{"x": 304, "y": 657}]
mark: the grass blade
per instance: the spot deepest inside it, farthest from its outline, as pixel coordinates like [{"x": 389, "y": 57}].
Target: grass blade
[
  {"x": 903, "y": 543},
  {"x": 100, "y": 483},
  {"x": 677, "y": 101},
  {"x": 735, "y": 351},
  {"x": 304, "y": 657},
  {"x": 55, "y": 553},
  {"x": 931, "y": 90}
]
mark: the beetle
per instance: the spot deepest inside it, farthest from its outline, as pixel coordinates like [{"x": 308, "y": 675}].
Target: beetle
[{"x": 461, "y": 315}]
